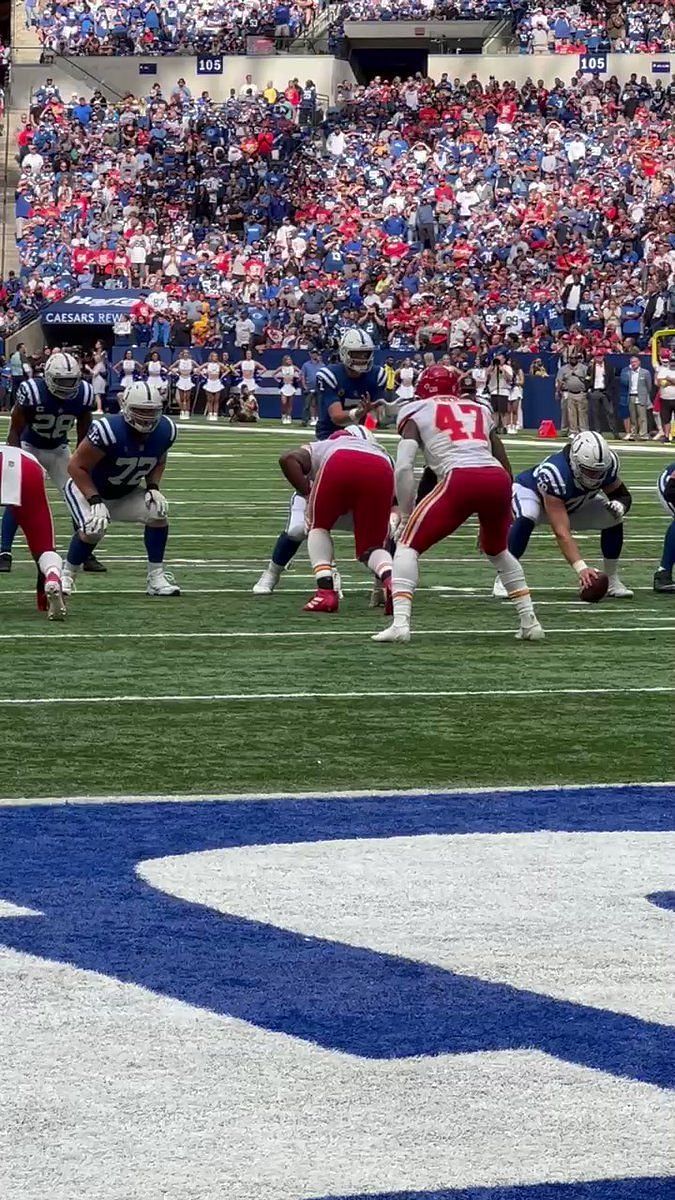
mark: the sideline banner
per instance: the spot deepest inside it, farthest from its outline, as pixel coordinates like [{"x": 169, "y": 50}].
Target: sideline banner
[{"x": 92, "y": 306}]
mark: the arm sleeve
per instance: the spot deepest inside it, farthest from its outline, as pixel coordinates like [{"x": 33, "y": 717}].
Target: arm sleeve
[{"x": 405, "y": 477}]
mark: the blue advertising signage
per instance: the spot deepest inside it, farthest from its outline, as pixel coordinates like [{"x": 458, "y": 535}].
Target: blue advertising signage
[
  {"x": 593, "y": 64},
  {"x": 92, "y": 306},
  {"x": 209, "y": 64}
]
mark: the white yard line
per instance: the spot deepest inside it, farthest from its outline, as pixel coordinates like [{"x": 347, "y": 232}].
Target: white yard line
[
  {"x": 286, "y": 697},
  {"x": 201, "y": 635},
  {"x": 338, "y": 794}
]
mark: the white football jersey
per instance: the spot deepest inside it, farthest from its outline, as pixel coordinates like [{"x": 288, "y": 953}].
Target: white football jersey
[
  {"x": 320, "y": 452},
  {"x": 455, "y": 432}
]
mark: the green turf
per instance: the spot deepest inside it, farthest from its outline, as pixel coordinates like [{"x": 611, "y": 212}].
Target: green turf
[{"x": 228, "y": 504}]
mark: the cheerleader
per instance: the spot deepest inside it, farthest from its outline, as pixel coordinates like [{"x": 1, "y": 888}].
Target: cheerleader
[
  {"x": 248, "y": 368},
  {"x": 515, "y": 400},
  {"x": 184, "y": 369},
  {"x": 99, "y": 377},
  {"x": 406, "y": 381},
  {"x": 126, "y": 369},
  {"x": 287, "y": 376},
  {"x": 212, "y": 372},
  {"x": 155, "y": 373}
]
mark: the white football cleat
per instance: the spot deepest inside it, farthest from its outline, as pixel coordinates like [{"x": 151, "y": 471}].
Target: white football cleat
[
  {"x": 161, "y": 583},
  {"x": 499, "y": 591},
  {"x": 530, "y": 631},
  {"x": 618, "y": 590},
  {"x": 67, "y": 580},
  {"x": 394, "y": 633},
  {"x": 267, "y": 582},
  {"x": 56, "y": 609}
]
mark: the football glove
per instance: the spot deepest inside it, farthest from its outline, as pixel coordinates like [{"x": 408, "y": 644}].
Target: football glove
[
  {"x": 154, "y": 498},
  {"x": 99, "y": 518},
  {"x": 617, "y": 509}
]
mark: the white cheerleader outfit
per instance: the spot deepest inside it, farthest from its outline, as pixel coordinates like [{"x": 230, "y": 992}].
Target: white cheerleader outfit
[
  {"x": 405, "y": 389},
  {"x": 155, "y": 381},
  {"x": 248, "y": 375},
  {"x": 213, "y": 381},
  {"x": 185, "y": 368},
  {"x": 128, "y": 370},
  {"x": 98, "y": 379},
  {"x": 288, "y": 381}
]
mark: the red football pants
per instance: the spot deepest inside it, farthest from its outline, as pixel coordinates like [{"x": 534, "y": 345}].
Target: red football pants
[
  {"x": 485, "y": 491},
  {"x": 351, "y": 481},
  {"x": 33, "y": 513}
]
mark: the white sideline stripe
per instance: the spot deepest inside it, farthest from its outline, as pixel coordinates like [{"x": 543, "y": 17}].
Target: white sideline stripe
[
  {"x": 339, "y": 794},
  {"x": 198, "y": 635},
  {"x": 262, "y": 697},
  {"x": 447, "y": 592},
  {"x": 197, "y": 429}
]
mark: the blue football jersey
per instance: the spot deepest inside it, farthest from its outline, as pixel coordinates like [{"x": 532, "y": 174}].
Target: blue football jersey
[
  {"x": 553, "y": 477},
  {"x": 48, "y": 419},
  {"x": 663, "y": 479},
  {"x": 334, "y": 383},
  {"x": 129, "y": 456}
]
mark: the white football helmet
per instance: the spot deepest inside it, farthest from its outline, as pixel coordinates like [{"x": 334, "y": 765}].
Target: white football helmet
[
  {"x": 590, "y": 460},
  {"x": 356, "y": 351},
  {"x": 360, "y": 433},
  {"x": 141, "y": 407},
  {"x": 62, "y": 375}
]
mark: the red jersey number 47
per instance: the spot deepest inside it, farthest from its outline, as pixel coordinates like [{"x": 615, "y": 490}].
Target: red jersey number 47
[{"x": 463, "y": 421}]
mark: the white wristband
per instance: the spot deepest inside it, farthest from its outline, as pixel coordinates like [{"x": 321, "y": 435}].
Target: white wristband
[{"x": 579, "y": 566}]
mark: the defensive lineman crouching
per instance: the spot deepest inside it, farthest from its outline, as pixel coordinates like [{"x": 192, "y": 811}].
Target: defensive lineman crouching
[
  {"x": 115, "y": 475},
  {"x": 348, "y": 474}
]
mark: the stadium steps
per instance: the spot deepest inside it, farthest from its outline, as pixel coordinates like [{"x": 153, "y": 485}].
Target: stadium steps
[
  {"x": 26, "y": 47},
  {"x": 10, "y": 174}
]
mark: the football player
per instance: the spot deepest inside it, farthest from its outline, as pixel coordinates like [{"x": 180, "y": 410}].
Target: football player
[
  {"x": 458, "y": 439},
  {"x": 42, "y": 417},
  {"x": 347, "y": 391},
  {"x": 115, "y": 475},
  {"x": 578, "y": 488},
  {"x": 22, "y": 489},
  {"x": 663, "y": 579},
  {"x": 345, "y": 474}
]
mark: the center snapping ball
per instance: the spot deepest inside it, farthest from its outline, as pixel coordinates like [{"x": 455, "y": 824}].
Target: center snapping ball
[{"x": 595, "y": 591}]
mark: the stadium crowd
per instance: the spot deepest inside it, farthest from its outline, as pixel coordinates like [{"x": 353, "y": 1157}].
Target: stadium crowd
[
  {"x": 166, "y": 26},
  {"x": 433, "y": 215},
  {"x": 637, "y": 27}
]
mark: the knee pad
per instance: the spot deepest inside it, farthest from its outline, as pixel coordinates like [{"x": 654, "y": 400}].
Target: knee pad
[{"x": 157, "y": 522}]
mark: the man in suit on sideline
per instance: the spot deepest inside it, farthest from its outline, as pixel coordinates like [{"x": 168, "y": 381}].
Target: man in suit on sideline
[
  {"x": 636, "y": 399},
  {"x": 603, "y": 393}
]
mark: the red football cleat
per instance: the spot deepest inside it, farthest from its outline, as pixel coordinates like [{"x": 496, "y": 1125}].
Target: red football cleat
[{"x": 325, "y": 600}]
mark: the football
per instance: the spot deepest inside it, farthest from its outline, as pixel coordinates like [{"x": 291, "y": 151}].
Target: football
[{"x": 596, "y": 591}]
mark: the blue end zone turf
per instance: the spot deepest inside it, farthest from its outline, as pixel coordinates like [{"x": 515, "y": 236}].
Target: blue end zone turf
[
  {"x": 76, "y": 866},
  {"x": 602, "y": 1189}
]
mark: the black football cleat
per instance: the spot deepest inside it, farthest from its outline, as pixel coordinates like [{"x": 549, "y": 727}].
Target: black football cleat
[
  {"x": 94, "y": 565},
  {"x": 5, "y": 561},
  {"x": 663, "y": 581}
]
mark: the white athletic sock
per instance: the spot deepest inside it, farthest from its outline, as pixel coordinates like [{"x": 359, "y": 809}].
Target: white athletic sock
[
  {"x": 513, "y": 577},
  {"x": 321, "y": 550},
  {"x": 611, "y": 566},
  {"x": 379, "y": 562},
  {"x": 274, "y": 569},
  {"x": 404, "y": 582},
  {"x": 50, "y": 561}
]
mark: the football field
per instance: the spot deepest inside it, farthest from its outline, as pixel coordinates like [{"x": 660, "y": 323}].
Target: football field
[
  {"x": 313, "y": 929},
  {"x": 223, "y": 691}
]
